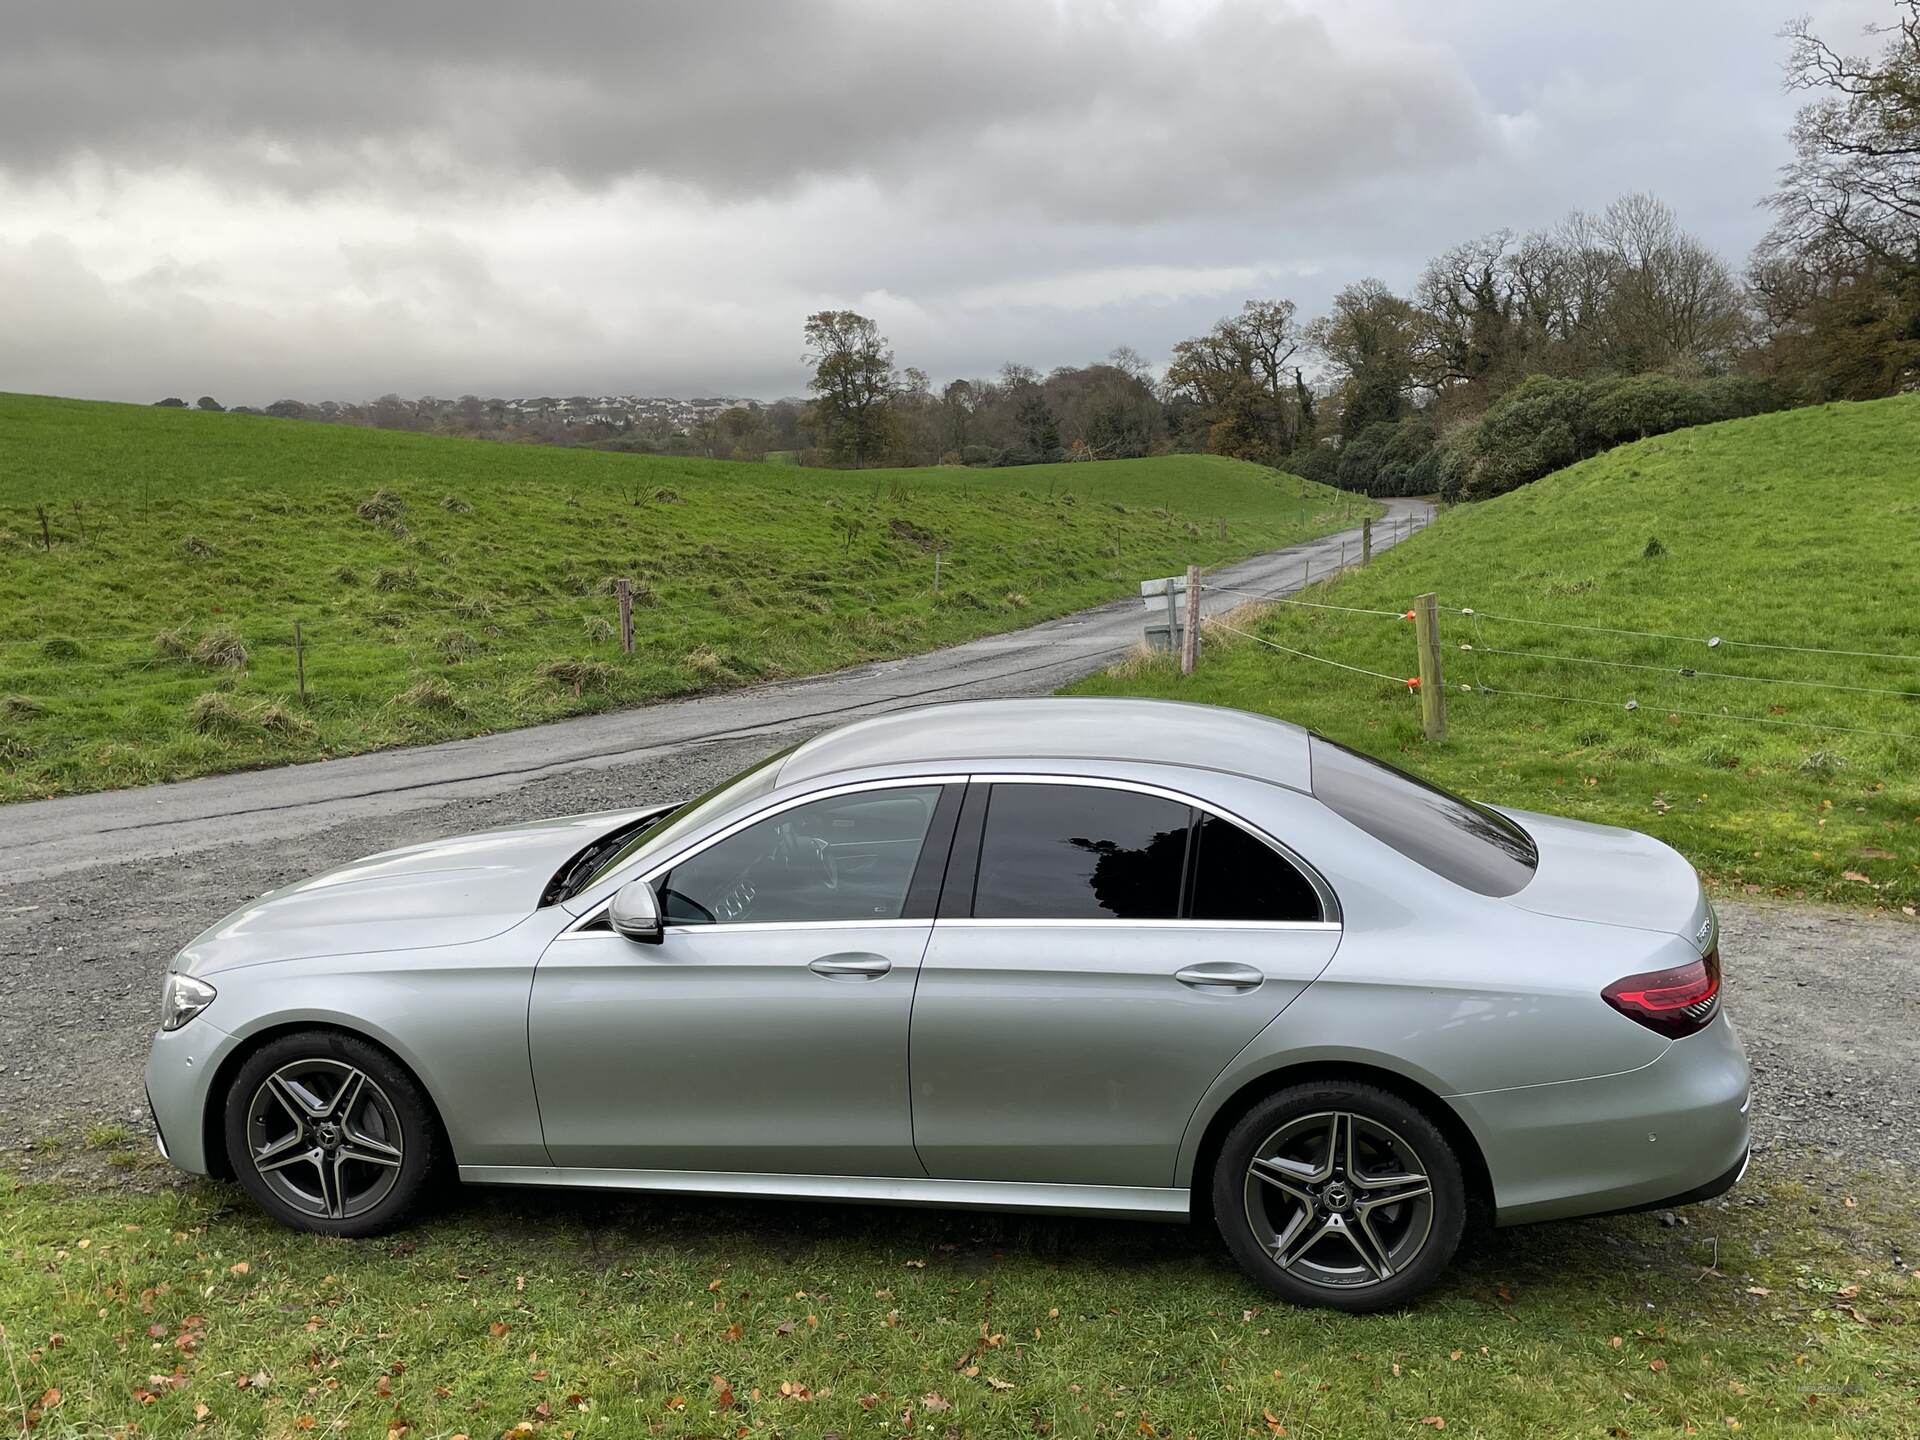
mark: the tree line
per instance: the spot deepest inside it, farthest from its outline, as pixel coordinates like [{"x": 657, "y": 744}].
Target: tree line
[{"x": 1511, "y": 355}]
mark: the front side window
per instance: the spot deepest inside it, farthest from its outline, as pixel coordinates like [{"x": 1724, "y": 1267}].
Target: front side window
[
  {"x": 847, "y": 857},
  {"x": 1078, "y": 852},
  {"x": 697, "y": 814},
  {"x": 1466, "y": 843}
]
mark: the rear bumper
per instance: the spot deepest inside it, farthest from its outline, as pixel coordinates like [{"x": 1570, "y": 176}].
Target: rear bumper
[{"x": 1669, "y": 1133}]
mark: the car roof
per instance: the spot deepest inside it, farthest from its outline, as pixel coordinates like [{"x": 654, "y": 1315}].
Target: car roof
[{"x": 1071, "y": 729}]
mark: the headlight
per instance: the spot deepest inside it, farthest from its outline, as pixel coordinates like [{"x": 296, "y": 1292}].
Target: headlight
[{"x": 181, "y": 998}]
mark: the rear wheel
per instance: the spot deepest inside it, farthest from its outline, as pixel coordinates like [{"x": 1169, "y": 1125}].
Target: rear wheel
[
  {"x": 329, "y": 1134},
  {"x": 1340, "y": 1195}
]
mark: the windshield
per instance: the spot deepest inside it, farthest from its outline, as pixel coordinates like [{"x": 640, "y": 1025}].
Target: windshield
[
  {"x": 749, "y": 784},
  {"x": 1466, "y": 843}
]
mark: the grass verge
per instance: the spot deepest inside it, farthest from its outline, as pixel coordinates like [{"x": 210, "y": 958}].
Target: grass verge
[
  {"x": 1793, "y": 529},
  {"x": 447, "y": 587},
  {"x": 1781, "y": 1310}
]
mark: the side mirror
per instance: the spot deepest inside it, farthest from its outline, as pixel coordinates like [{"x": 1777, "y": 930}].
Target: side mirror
[{"x": 634, "y": 912}]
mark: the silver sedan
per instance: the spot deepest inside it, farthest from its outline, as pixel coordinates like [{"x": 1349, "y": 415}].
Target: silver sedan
[{"x": 1106, "y": 957}]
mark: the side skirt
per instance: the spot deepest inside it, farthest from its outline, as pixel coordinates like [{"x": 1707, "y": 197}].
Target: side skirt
[{"x": 1137, "y": 1202}]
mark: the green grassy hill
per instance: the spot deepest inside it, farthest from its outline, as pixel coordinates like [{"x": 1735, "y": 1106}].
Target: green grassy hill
[
  {"x": 1792, "y": 529},
  {"x": 448, "y": 587}
]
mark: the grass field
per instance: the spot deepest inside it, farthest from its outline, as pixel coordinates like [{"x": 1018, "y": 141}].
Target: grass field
[
  {"x": 449, "y": 587},
  {"x": 1777, "y": 1312},
  {"x": 1796, "y": 529}
]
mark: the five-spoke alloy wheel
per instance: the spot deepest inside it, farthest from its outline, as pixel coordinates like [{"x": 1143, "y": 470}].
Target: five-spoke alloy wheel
[
  {"x": 329, "y": 1134},
  {"x": 1339, "y": 1194}
]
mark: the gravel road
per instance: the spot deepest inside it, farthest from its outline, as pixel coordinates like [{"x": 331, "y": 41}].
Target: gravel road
[{"x": 110, "y": 887}]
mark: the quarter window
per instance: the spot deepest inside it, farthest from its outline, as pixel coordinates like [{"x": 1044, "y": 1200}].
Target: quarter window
[
  {"x": 1080, "y": 852},
  {"x": 1236, "y": 877},
  {"x": 847, "y": 857}
]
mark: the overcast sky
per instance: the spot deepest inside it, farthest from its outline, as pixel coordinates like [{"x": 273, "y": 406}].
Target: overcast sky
[{"x": 337, "y": 200}]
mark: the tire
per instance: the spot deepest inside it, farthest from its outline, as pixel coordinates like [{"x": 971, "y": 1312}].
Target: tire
[
  {"x": 1369, "y": 1231},
  {"x": 330, "y": 1134}
]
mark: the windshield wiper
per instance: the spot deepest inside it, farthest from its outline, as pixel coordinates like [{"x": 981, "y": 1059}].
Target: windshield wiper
[{"x": 574, "y": 875}]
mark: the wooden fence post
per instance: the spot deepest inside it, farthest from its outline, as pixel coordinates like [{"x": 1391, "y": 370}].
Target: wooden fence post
[
  {"x": 46, "y": 535},
  {"x": 1366, "y": 539},
  {"x": 1433, "y": 688},
  {"x": 300, "y": 660},
  {"x": 623, "y": 588},
  {"x": 1190, "y": 641}
]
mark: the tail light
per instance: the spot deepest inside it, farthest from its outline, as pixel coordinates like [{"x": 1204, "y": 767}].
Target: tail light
[{"x": 1672, "y": 1002}]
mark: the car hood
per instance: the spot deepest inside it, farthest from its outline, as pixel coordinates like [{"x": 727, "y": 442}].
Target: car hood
[
  {"x": 1612, "y": 876},
  {"x": 446, "y": 892}
]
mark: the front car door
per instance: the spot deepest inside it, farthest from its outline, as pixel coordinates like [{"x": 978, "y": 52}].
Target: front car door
[
  {"x": 767, "y": 1032},
  {"x": 1103, "y": 950}
]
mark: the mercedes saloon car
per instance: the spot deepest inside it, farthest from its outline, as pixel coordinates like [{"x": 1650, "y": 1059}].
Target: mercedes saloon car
[{"x": 1105, "y": 957}]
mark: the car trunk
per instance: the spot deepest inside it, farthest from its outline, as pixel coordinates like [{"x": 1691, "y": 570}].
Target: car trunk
[{"x": 1612, "y": 876}]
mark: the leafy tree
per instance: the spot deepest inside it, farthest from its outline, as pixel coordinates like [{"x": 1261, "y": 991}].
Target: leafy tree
[
  {"x": 1242, "y": 381},
  {"x": 172, "y": 402},
  {"x": 1836, "y": 281},
  {"x": 854, "y": 384},
  {"x": 207, "y": 402},
  {"x": 1367, "y": 341}
]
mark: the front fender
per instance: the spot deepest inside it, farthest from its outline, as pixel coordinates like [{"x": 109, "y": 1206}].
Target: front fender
[{"x": 457, "y": 1020}]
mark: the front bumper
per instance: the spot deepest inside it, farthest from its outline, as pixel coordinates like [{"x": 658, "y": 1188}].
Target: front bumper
[
  {"x": 180, "y": 1072},
  {"x": 1665, "y": 1134}
]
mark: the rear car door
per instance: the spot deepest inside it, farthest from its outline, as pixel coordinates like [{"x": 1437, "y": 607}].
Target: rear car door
[
  {"x": 767, "y": 1032},
  {"x": 1103, "y": 950}
]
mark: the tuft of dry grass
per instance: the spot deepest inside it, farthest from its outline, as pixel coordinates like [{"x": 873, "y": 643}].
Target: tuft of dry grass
[
  {"x": 429, "y": 693},
  {"x": 382, "y": 505},
  {"x": 276, "y": 718},
  {"x": 578, "y": 675},
  {"x": 456, "y": 646},
  {"x": 218, "y": 713},
  {"x": 221, "y": 650}
]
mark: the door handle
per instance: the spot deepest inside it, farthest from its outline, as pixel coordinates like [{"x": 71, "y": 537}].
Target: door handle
[
  {"x": 1217, "y": 975},
  {"x": 851, "y": 965}
]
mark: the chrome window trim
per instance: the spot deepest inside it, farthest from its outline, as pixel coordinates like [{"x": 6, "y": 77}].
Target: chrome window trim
[
  {"x": 1332, "y": 918},
  {"x": 969, "y": 922},
  {"x": 1330, "y": 913},
  {"x": 680, "y": 857},
  {"x": 575, "y": 933}
]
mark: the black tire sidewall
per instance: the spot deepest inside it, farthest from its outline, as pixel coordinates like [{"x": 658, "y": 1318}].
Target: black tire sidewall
[
  {"x": 1228, "y": 1181},
  {"x": 420, "y": 1135}
]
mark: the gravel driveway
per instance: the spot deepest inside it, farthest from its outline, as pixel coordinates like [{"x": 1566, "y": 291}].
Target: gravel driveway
[{"x": 1825, "y": 999}]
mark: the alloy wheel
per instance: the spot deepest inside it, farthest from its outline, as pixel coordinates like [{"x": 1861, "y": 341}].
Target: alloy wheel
[
  {"x": 1339, "y": 1200},
  {"x": 325, "y": 1138}
]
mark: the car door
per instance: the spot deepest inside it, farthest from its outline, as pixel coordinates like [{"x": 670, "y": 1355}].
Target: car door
[
  {"x": 767, "y": 1031},
  {"x": 1103, "y": 950}
]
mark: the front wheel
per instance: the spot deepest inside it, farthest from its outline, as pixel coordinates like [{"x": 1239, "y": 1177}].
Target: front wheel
[
  {"x": 1340, "y": 1195},
  {"x": 330, "y": 1134}
]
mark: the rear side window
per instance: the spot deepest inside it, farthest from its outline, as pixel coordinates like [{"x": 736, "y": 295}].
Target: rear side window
[
  {"x": 1236, "y": 877},
  {"x": 1079, "y": 852},
  {"x": 1466, "y": 843}
]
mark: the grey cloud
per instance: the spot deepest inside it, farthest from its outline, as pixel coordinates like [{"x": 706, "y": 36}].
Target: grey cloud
[{"x": 1077, "y": 109}]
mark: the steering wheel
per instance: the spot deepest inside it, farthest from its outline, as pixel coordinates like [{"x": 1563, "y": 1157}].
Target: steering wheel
[{"x": 795, "y": 849}]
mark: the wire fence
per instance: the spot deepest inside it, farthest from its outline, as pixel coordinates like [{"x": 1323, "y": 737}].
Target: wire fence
[{"x": 1527, "y": 661}]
